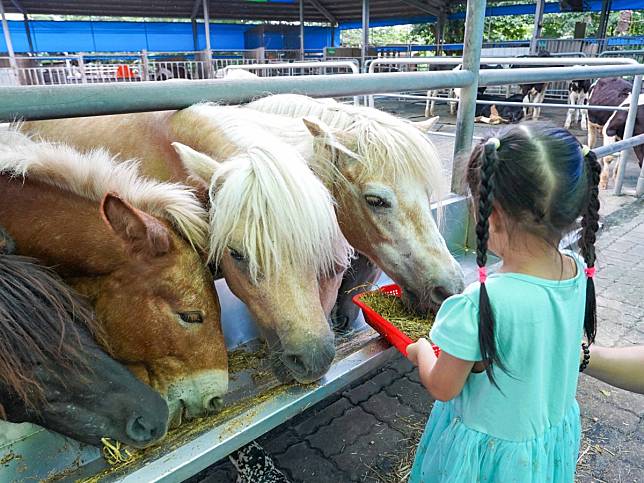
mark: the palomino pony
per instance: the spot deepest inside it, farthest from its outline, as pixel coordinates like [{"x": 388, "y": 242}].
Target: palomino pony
[
  {"x": 53, "y": 373},
  {"x": 382, "y": 171},
  {"x": 130, "y": 255},
  {"x": 273, "y": 231}
]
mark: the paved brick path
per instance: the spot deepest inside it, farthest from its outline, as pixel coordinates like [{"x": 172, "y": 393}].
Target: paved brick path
[{"x": 363, "y": 432}]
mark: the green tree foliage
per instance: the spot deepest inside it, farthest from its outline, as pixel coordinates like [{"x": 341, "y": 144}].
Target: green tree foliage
[
  {"x": 398, "y": 34},
  {"x": 517, "y": 27}
]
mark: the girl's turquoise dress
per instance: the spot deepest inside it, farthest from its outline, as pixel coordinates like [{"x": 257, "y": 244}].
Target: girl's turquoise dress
[{"x": 529, "y": 431}]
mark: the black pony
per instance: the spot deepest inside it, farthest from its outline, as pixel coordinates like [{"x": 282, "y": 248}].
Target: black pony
[{"x": 53, "y": 372}]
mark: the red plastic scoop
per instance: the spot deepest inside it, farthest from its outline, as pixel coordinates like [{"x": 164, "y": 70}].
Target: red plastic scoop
[{"x": 394, "y": 336}]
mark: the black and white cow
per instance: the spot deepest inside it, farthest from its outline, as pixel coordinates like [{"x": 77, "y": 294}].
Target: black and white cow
[
  {"x": 578, "y": 92},
  {"x": 430, "y": 105},
  {"x": 500, "y": 113},
  {"x": 454, "y": 94},
  {"x": 613, "y": 91},
  {"x": 534, "y": 92}
]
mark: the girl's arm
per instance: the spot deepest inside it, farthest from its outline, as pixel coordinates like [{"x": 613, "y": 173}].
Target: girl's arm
[
  {"x": 443, "y": 377},
  {"x": 620, "y": 367}
]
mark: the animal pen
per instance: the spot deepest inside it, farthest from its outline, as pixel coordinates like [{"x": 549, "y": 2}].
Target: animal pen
[{"x": 253, "y": 408}]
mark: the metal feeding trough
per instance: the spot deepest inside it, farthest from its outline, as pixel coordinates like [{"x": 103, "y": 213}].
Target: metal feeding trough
[{"x": 255, "y": 404}]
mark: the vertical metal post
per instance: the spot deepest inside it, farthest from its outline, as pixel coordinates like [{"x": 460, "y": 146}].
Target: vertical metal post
[
  {"x": 365, "y": 34},
  {"x": 301, "y": 29},
  {"x": 440, "y": 32},
  {"x": 206, "y": 19},
  {"x": 7, "y": 39},
  {"x": 81, "y": 68},
  {"x": 25, "y": 20},
  {"x": 538, "y": 22},
  {"x": 195, "y": 36},
  {"x": 628, "y": 132},
  {"x": 603, "y": 23},
  {"x": 145, "y": 65},
  {"x": 474, "y": 23}
]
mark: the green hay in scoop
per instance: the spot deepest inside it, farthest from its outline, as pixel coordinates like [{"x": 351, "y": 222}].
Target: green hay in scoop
[{"x": 393, "y": 309}]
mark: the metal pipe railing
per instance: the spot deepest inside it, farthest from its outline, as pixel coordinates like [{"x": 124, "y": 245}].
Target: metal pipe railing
[
  {"x": 298, "y": 65},
  {"x": 548, "y": 74},
  {"x": 447, "y": 100},
  {"x": 545, "y": 61},
  {"x": 474, "y": 24},
  {"x": 48, "y": 102},
  {"x": 628, "y": 131},
  {"x": 613, "y": 148}
]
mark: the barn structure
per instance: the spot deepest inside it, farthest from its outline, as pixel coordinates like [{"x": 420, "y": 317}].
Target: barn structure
[{"x": 43, "y": 454}]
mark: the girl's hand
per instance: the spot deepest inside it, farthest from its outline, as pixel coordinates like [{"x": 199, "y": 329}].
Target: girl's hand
[{"x": 413, "y": 349}]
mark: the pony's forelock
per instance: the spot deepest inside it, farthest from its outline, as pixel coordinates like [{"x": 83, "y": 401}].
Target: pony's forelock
[
  {"x": 385, "y": 145},
  {"x": 94, "y": 173},
  {"x": 288, "y": 215}
]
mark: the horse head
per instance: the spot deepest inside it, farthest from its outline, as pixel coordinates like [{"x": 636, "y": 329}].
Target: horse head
[
  {"x": 383, "y": 174},
  {"x": 132, "y": 257},
  {"x": 275, "y": 239},
  {"x": 53, "y": 373}
]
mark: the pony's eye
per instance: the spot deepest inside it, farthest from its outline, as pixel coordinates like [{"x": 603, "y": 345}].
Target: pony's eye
[
  {"x": 194, "y": 317},
  {"x": 377, "y": 201},
  {"x": 236, "y": 255}
]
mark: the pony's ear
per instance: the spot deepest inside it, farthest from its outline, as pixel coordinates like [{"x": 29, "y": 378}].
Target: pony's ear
[
  {"x": 332, "y": 138},
  {"x": 141, "y": 232},
  {"x": 425, "y": 126},
  {"x": 199, "y": 165}
]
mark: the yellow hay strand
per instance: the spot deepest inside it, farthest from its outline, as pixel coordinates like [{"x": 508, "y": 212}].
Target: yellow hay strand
[
  {"x": 393, "y": 309},
  {"x": 115, "y": 452}
]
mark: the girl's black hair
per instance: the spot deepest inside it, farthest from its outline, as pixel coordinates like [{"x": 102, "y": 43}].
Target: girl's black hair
[{"x": 543, "y": 183}]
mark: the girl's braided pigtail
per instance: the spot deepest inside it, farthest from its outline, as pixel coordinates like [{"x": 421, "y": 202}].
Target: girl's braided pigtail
[
  {"x": 590, "y": 225},
  {"x": 487, "y": 171}
]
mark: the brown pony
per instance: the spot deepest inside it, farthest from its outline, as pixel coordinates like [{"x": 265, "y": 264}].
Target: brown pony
[
  {"x": 53, "y": 373},
  {"x": 149, "y": 288},
  {"x": 273, "y": 231}
]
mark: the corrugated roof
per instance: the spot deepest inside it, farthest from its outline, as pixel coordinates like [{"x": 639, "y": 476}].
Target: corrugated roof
[{"x": 287, "y": 10}]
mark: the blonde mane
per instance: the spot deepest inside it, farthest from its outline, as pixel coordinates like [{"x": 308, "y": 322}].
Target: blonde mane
[
  {"x": 95, "y": 173},
  {"x": 265, "y": 192},
  {"x": 385, "y": 145}
]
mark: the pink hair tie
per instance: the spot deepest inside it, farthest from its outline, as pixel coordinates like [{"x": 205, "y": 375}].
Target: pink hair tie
[
  {"x": 590, "y": 272},
  {"x": 482, "y": 274}
]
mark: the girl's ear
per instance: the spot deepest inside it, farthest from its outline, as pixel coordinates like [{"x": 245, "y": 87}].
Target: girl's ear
[{"x": 495, "y": 219}]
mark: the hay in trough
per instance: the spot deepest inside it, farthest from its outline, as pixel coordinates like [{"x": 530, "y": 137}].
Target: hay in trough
[{"x": 393, "y": 309}]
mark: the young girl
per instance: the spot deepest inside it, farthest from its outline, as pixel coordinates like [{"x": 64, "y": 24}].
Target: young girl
[{"x": 507, "y": 374}]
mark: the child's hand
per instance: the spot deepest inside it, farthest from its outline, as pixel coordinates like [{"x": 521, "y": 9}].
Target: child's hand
[{"x": 415, "y": 348}]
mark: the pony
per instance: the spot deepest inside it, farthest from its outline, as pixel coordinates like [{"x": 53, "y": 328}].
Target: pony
[
  {"x": 53, "y": 373},
  {"x": 382, "y": 171},
  {"x": 273, "y": 231},
  {"x": 131, "y": 254}
]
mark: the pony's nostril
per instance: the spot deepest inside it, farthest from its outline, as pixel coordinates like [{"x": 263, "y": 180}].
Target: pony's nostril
[
  {"x": 439, "y": 294},
  {"x": 296, "y": 364},
  {"x": 140, "y": 430},
  {"x": 213, "y": 404}
]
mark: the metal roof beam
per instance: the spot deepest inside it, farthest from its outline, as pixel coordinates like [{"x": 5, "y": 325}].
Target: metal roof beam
[
  {"x": 16, "y": 4},
  {"x": 195, "y": 9},
  {"x": 322, "y": 9},
  {"x": 423, "y": 7}
]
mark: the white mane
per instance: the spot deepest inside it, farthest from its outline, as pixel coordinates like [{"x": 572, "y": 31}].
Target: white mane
[
  {"x": 95, "y": 173},
  {"x": 385, "y": 145},
  {"x": 266, "y": 194}
]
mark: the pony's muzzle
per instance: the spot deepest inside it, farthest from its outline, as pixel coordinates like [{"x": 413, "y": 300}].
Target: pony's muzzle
[
  {"x": 310, "y": 364},
  {"x": 439, "y": 294},
  {"x": 143, "y": 431}
]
